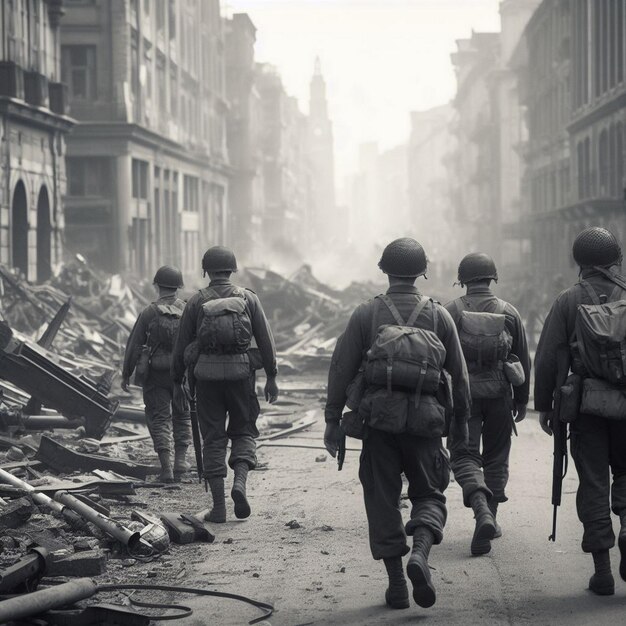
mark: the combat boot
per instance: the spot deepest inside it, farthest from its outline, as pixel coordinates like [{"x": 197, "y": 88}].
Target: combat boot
[
  {"x": 493, "y": 507},
  {"x": 417, "y": 568},
  {"x": 180, "y": 462},
  {"x": 397, "y": 594},
  {"x": 621, "y": 542},
  {"x": 165, "y": 459},
  {"x": 238, "y": 493},
  {"x": 602, "y": 582},
  {"x": 217, "y": 514},
  {"x": 485, "y": 529}
]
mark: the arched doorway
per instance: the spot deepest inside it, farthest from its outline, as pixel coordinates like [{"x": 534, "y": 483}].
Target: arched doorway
[
  {"x": 19, "y": 229},
  {"x": 44, "y": 237}
]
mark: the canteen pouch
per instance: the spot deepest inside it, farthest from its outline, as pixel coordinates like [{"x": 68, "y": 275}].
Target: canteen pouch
[
  {"x": 570, "y": 399},
  {"x": 222, "y": 367},
  {"x": 352, "y": 425},
  {"x": 142, "y": 367},
  {"x": 601, "y": 399},
  {"x": 488, "y": 384},
  {"x": 513, "y": 371}
]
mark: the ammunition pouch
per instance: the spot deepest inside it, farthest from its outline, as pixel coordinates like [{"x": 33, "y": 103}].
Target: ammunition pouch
[
  {"x": 352, "y": 425},
  {"x": 602, "y": 399},
  {"x": 142, "y": 366},
  {"x": 513, "y": 371}
]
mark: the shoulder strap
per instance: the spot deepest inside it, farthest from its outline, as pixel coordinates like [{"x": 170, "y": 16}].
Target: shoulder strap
[
  {"x": 394, "y": 310},
  {"x": 210, "y": 294},
  {"x": 617, "y": 294},
  {"x": 417, "y": 310},
  {"x": 591, "y": 292},
  {"x": 375, "y": 312},
  {"x": 435, "y": 315},
  {"x": 500, "y": 307},
  {"x": 614, "y": 278}
]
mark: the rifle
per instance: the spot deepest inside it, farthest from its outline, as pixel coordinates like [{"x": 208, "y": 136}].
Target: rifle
[
  {"x": 341, "y": 451},
  {"x": 559, "y": 433},
  {"x": 195, "y": 427}
]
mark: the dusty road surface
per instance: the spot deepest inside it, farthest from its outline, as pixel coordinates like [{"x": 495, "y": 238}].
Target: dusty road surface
[{"x": 322, "y": 573}]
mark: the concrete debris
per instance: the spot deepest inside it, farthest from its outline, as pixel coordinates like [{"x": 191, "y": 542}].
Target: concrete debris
[
  {"x": 15, "y": 513},
  {"x": 77, "y": 564}
]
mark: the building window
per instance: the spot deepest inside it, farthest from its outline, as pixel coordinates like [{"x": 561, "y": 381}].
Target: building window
[
  {"x": 140, "y": 179},
  {"x": 190, "y": 194},
  {"x": 603, "y": 163},
  {"x": 79, "y": 71},
  {"x": 89, "y": 176}
]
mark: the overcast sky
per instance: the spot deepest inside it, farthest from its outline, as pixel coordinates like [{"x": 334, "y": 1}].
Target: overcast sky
[{"x": 381, "y": 58}]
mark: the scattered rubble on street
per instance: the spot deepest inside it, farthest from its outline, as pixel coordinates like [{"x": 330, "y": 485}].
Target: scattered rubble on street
[{"x": 78, "y": 496}]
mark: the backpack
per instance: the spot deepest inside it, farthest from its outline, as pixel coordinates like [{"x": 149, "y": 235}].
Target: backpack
[
  {"x": 486, "y": 343},
  {"x": 599, "y": 340},
  {"x": 224, "y": 336},
  {"x": 162, "y": 332},
  {"x": 405, "y": 356}
]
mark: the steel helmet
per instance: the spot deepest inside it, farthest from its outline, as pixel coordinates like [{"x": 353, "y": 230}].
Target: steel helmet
[
  {"x": 168, "y": 276},
  {"x": 219, "y": 259},
  {"x": 477, "y": 266},
  {"x": 404, "y": 258},
  {"x": 596, "y": 247}
]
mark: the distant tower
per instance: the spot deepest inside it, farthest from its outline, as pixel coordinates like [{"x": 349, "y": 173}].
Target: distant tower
[{"x": 322, "y": 158}]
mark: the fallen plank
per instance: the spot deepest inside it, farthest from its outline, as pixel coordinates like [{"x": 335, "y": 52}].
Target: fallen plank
[
  {"x": 65, "y": 460},
  {"x": 296, "y": 428}
]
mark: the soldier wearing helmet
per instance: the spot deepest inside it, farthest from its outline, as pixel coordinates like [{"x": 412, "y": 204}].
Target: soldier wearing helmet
[
  {"x": 149, "y": 350},
  {"x": 213, "y": 348},
  {"x": 598, "y": 444},
  {"x": 390, "y": 447},
  {"x": 483, "y": 476}
]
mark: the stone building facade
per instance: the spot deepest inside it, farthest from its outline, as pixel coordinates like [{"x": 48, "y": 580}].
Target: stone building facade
[
  {"x": 147, "y": 165},
  {"x": 33, "y": 127}
]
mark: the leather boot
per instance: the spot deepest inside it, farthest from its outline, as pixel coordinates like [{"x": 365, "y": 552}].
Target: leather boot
[
  {"x": 485, "y": 525},
  {"x": 621, "y": 542},
  {"x": 417, "y": 568},
  {"x": 180, "y": 462},
  {"x": 238, "y": 493},
  {"x": 397, "y": 594},
  {"x": 493, "y": 507},
  {"x": 217, "y": 514},
  {"x": 602, "y": 582},
  {"x": 165, "y": 459}
]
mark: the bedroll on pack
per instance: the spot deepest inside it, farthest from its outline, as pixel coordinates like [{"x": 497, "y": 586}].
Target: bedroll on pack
[
  {"x": 224, "y": 336},
  {"x": 163, "y": 329},
  {"x": 405, "y": 356},
  {"x": 601, "y": 340}
]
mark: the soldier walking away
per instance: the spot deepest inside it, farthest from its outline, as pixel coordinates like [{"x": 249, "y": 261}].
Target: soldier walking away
[
  {"x": 393, "y": 352},
  {"x": 587, "y": 323},
  {"x": 214, "y": 346},
  {"x": 149, "y": 354},
  {"x": 496, "y": 351}
]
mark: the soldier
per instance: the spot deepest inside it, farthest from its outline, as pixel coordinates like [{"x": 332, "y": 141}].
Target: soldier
[
  {"x": 150, "y": 346},
  {"x": 598, "y": 444},
  {"x": 214, "y": 338},
  {"x": 483, "y": 477},
  {"x": 394, "y": 410}
]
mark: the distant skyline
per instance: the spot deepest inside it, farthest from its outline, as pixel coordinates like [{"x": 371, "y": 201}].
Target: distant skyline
[{"x": 381, "y": 58}]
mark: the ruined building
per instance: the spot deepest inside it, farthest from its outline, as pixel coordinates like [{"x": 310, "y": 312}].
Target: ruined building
[
  {"x": 147, "y": 165},
  {"x": 34, "y": 123}
]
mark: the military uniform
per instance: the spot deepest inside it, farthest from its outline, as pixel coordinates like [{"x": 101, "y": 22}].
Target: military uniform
[
  {"x": 491, "y": 419},
  {"x": 598, "y": 445},
  {"x": 386, "y": 456},
  {"x": 235, "y": 399},
  {"x": 165, "y": 413}
]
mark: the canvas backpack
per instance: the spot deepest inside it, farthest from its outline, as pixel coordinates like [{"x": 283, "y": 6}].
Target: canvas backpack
[
  {"x": 599, "y": 340},
  {"x": 403, "y": 355},
  {"x": 162, "y": 332},
  {"x": 224, "y": 336},
  {"x": 486, "y": 343}
]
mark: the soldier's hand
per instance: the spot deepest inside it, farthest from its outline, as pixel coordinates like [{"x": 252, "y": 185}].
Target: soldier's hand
[
  {"x": 125, "y": 383},
  {"x": 332, "y": 437},
  {"x": 271, "y": 390},
  {"x": 520, "y": 412},
  {"x": 545, "y": 420}
]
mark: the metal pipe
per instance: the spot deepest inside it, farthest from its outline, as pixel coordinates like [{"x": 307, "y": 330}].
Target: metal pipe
[
  {"x": 111, "y": 527},
  {"x": 29, "y": 604},
  {"x": 44, "y": 422},
  {"x": 39, "y": 498}
]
